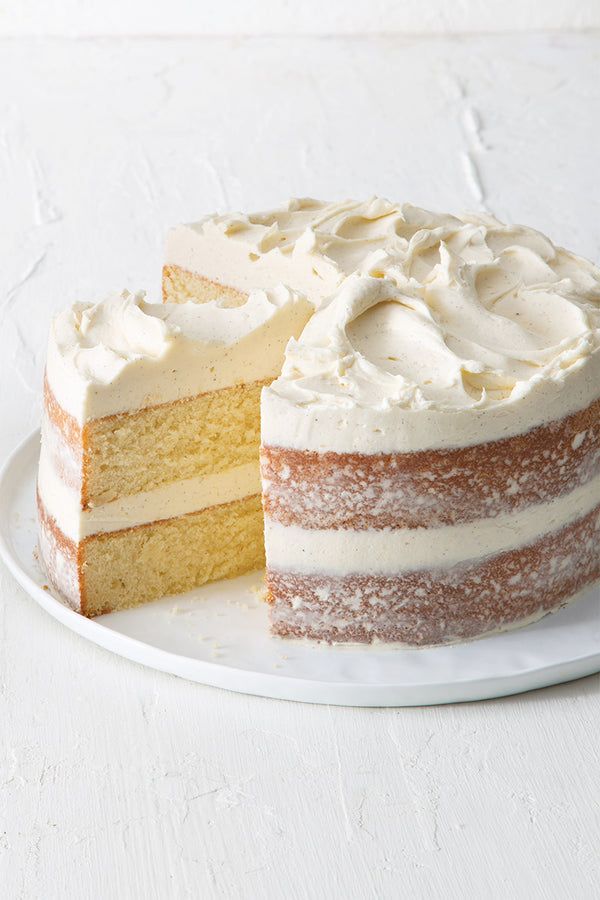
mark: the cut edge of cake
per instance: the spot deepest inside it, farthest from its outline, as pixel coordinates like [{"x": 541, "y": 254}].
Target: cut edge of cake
[{"x": 121, "y": 484}]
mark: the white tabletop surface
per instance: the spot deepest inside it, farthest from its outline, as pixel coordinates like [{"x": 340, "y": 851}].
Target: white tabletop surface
[{"x": 121, "y": 782}]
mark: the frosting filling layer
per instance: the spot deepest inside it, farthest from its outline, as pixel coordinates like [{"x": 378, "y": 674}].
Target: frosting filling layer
[
  {"x": 166, "y": 502},
  {"x": 389, "y": 551}
]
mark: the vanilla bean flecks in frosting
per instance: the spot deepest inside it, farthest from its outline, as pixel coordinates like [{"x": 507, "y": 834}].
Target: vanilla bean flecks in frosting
[
  {"x": 122, "y": 354},
  {"x": 307, "y": 244},
  {"x": 468, "y": 331}
]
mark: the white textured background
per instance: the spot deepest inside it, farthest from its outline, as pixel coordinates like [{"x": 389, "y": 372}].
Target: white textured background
[
  {"x": 118, "y": 782},
  {"x": 278, "y": 17}
]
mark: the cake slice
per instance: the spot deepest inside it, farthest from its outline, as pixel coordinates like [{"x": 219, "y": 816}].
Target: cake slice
[
  {"x": 148, "y": 479},
  {"x": 431, "y": 451}
]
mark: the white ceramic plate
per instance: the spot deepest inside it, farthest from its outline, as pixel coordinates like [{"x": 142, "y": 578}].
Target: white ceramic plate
[{"x": 218, "y": 635}]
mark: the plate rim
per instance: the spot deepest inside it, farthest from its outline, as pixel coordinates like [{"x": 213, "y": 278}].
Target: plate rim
[{"x": 272, "y": 685}]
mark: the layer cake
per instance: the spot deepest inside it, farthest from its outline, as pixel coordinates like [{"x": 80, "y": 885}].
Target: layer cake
[{"x": 431, "y": 451}]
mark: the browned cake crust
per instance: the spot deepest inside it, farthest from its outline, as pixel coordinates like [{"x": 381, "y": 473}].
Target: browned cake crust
[
  {"x": 433, "y": 487},
  {"x": 68, "y": 426},
  {"x": 62, "y": 558},
  {"x": 438, "y": 606}
]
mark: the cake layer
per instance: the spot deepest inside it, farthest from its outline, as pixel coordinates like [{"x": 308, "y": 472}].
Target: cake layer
[
  {"x": 120, "y": 569},
  {"x": 166, "y": 502},
  {"x": 291, "y": 548},
  {"x": 181, "y": 286},
  {"x": 440, "y": 605},
  {"x": 435, "y": 487},
  {"x": 198, "y": 436}
]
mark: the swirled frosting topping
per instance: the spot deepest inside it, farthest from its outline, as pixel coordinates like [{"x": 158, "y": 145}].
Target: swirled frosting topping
[
  {"x": 123, "y": 353},
  {"x": 467, "y": 315},
  {"x": 307, "y": 244},
  {"x": 463, "y": 315},
  {"x": 342, "y": 232}
]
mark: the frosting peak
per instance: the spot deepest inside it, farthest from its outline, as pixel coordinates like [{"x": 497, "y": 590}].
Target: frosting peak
[
  {"x": 306, "y": 243},
  {"x": 101, "y": 339},
  {"x": 123, "y": 353},
  {"x": 313, "y": 246}
]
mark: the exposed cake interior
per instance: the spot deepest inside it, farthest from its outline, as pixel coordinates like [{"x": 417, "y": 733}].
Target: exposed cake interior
[
  {"x": 148, "y": 481},
  {"x": 205, "y": 435},
  {"x": 182, "y": 286}
]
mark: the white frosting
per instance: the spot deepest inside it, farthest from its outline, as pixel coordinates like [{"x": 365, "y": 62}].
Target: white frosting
[
  {"x": 470, "y": 331},
  {"x": 166, "y": 502},
  {"x": 307, "y": 244},
  {"x": 390, "y": 551},
  {"x": 123, "y": 354}
]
